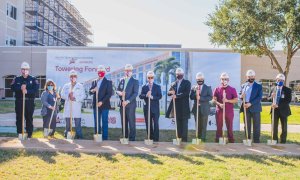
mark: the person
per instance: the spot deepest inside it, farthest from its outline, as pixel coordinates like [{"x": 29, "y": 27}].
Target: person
[
  {"x": 153, "y": 91},
  {"x": 104, "y": 89},
  {"x": 252, "y": 92},
  {"x": 283, "y": 97},
  {"x": 130, "y": 86},
  {"x": 73, "y": 93},
  {"x": 230, "y": 99},
  {"x": 28, "y": 85},
  {"x": 48, "y": 98},
  {"x": 180, "y": 91},
  {"x": 203, "y": 94}
]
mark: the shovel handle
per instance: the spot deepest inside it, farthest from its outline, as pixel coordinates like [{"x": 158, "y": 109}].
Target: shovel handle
[
  {"x": 23, "y": 114},
  {"x": 149, "y": 101},
  {"x": 96, "y": 106},
  {"x": 123, "y": 113},
  {"x": 174, "y": 107}
]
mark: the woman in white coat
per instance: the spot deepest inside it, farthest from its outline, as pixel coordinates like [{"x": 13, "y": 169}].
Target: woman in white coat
[{"x": 74, "y": 93}]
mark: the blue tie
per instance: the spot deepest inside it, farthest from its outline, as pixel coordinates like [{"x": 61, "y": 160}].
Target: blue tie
[{"x": 278, "y": 96}]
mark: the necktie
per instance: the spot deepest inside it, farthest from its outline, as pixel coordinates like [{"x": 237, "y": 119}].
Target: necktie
[{"x": 278, "y": 95}]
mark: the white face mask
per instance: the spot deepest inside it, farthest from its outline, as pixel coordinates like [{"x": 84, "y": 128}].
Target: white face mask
[
  {"x": 151, "y": 81},
  {"x": 73, "y": 79},
  {"x": 224, "y": 83}
]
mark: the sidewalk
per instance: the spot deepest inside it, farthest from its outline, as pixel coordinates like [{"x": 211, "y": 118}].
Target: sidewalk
[{"x": 113, "y": 147}]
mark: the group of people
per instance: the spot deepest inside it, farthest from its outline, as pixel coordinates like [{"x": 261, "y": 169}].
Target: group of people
[{"x": 223, "y": 96}]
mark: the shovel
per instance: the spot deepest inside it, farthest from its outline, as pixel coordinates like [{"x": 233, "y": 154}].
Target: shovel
[
  {"x": 23, "y": 136},
  {"x": 70, "y": 134},
  {"x": 247, "y": 141},
  {"x": 123, "y": 140},
  {"x": 223, "y": 140},
  {"x": 97, "y": 136},
  {"x": 48, "y": 131},
  {"x": 272, "y": 142},
  {"x": 176, "y": 141},
  {"x": 197, "y": 140},
  {"x": 149, "y": 141}
]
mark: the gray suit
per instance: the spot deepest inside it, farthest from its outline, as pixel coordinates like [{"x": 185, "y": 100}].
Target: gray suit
[
  {"x": 131, "y": 92},
  {"x": 204, "y": 108}
]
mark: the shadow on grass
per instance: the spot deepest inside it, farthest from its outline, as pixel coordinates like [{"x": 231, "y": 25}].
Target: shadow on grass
[{"x": 153, "y": 159}]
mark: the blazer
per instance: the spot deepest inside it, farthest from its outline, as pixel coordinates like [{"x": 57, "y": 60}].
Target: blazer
[
  {"x": 205, "y": 97},
  {"x": 255, "y": 97},
  {"x": 154, "y": 101},
  {"x": 104, "y": 93},
  {"x": 131, "y": 91},
  {"x": 284, "y": 101}
]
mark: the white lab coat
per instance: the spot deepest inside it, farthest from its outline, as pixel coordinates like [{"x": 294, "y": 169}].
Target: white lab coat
[{"x": 79, "y": 94}]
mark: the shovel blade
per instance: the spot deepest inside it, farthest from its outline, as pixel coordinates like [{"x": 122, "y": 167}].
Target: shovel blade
[
  {"x": 196, "y": 141},
  {"x": 148, "y": 142},
  {"x": 223, "y": 141},
  {"x": 70, "y": 135},
  {"x": 98, "y": 137},
  {"x": 177, "y": 141},
  {"x": 247, "y": 142},
  {"x": 124, "y": 141},
  {"x": 271, "y": 142},
  {"x": 23, "y": 136}
]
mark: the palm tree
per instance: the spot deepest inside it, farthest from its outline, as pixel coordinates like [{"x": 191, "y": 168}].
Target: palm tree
[{"x": 166, "y": 67}]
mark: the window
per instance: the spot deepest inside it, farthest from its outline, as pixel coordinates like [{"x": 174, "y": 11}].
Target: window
[
  {"x": 148, "y": 66},
  {"x": 42, "y": 82},
  {"x": 11, "y": 11},
  {"x": 141, "y": 74},
  {"x": 10, "y": 41},
  {"x": 7, "y": 82}
]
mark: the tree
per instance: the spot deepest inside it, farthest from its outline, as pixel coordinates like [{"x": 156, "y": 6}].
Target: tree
[
  {"x": 166, "y": 67},
  {"x": 255, "y": 27}
]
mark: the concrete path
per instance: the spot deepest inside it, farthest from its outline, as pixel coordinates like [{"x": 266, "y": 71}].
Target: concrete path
[{"x": 113, "y": 147}]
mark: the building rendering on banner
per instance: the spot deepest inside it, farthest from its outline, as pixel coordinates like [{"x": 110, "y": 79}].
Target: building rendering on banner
[{"x": 42, "y": 23}]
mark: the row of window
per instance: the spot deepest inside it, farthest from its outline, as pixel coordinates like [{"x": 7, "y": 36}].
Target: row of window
[{"x": 10, "y": 41}]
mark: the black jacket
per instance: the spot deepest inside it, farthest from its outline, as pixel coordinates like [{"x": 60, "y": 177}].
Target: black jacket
[
  {"x": 156, "y": 94},
  {"x": 284, "y": 102},
  {"x": 104, "y": 93}
]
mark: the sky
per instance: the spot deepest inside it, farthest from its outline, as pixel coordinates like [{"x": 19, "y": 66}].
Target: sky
[{"x": 148, "y": 21}]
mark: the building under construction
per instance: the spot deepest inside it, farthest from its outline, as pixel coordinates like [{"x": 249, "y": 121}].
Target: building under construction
[{"x": 55, "y": 23}]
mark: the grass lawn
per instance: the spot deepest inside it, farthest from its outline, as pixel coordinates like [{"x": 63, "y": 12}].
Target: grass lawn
[
  {"x": 266, "y": 117},
  {"x": 8, "y": 106},
  {"x": 16, "y": 164},
  {"x": 165, "y": 135}
]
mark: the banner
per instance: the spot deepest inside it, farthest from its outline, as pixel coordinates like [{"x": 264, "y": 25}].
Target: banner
[{"x": 85, "y": 62}]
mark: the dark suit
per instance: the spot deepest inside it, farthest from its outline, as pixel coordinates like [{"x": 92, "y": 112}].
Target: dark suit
[
  {"x": 282, "y": 112},
  {"x": 253, "y": 112},
  {"x": 154, "y": 109},
  {"x": 131, "y": 92},
  {"x": 204, "y": 108},
  {"x": 182, "y": 107},
  {"x": 104, "y": 94}
]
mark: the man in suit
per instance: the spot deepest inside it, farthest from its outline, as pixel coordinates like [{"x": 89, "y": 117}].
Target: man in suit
[
  {"x": 130, "y": 86},
  {"x": 153, "y": 91},
  {"x": 203, "y": 94},
  {"x": 252, "y": 92},
  {"x": 180, "y": 90},
  {"x": 104, "y": 89},
  {"x": 282, "y": 96}
]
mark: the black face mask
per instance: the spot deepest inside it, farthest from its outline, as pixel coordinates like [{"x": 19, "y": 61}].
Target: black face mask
[
  {"x": 179, "y": 76},
  {"x": 200, "y": 82},
  {"x": 251, "y": 80}
]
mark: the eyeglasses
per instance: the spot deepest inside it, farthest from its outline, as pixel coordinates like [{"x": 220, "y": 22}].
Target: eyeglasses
[
  {"x": 224, "y": 79},
  {"x": 150, "y": 77},
  {"x": 73, "y": 76}
]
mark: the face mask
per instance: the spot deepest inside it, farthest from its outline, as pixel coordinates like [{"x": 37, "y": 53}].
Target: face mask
[
  {"x": 50, "y": 88},
  {"x": 73, "y": 79},
  {"x": 128, "y": 73},
  {"x": 101, "y": 74},
  {"x": 280, "y": 83},
  {"x": 151, "y": 81},
  {"x": 251, "y": 80},
  {"x": 200, "y": 82},
  {"x": 224, "y": 83},
  {"x": 25, "y": 72},
  {"x": 179, "y": 76}
]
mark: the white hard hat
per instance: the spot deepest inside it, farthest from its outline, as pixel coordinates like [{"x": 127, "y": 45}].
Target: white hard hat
[
  {"x": 101, "y": 68},
  {"x": 72, "y": 73},
  {"x": 280, "y": 76},
  {"x": 128, "y": 67},
  {"x": 179, "y": 71},
  {"x": 224, "y": 75},
  {"x": 25, "y": 65},
  {"x": 199, "y": 75},
  {"x": 150, "y": 74},
  {"x": 250, "y": 72}
]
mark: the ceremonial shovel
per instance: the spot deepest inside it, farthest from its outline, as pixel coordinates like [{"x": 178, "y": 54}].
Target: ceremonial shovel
[
  {"x": 176, "y": 141},
  {"x": 48, "y": 131},
  {"x": 246, "y": 142},
  {"x": 273, "y": 142},
  {"x": 223, "y": 140},
  {"x": 97, "y": 136},
  {"x": 70, "y": 134},
  {"x": 24, "y": 135},
  {"x": 123, "y": 140},
  {"x": 197, "y": 140},
  {"x": 148, "y": 141}
]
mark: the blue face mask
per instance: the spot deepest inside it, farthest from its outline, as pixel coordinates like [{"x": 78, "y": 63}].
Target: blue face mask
[
  {"x": 50, "y": 88},
  {"x": 280, "y": 83}
]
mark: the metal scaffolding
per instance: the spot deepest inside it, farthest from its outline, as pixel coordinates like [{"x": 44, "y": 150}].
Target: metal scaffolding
[{"x": 55, "y": 23}]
